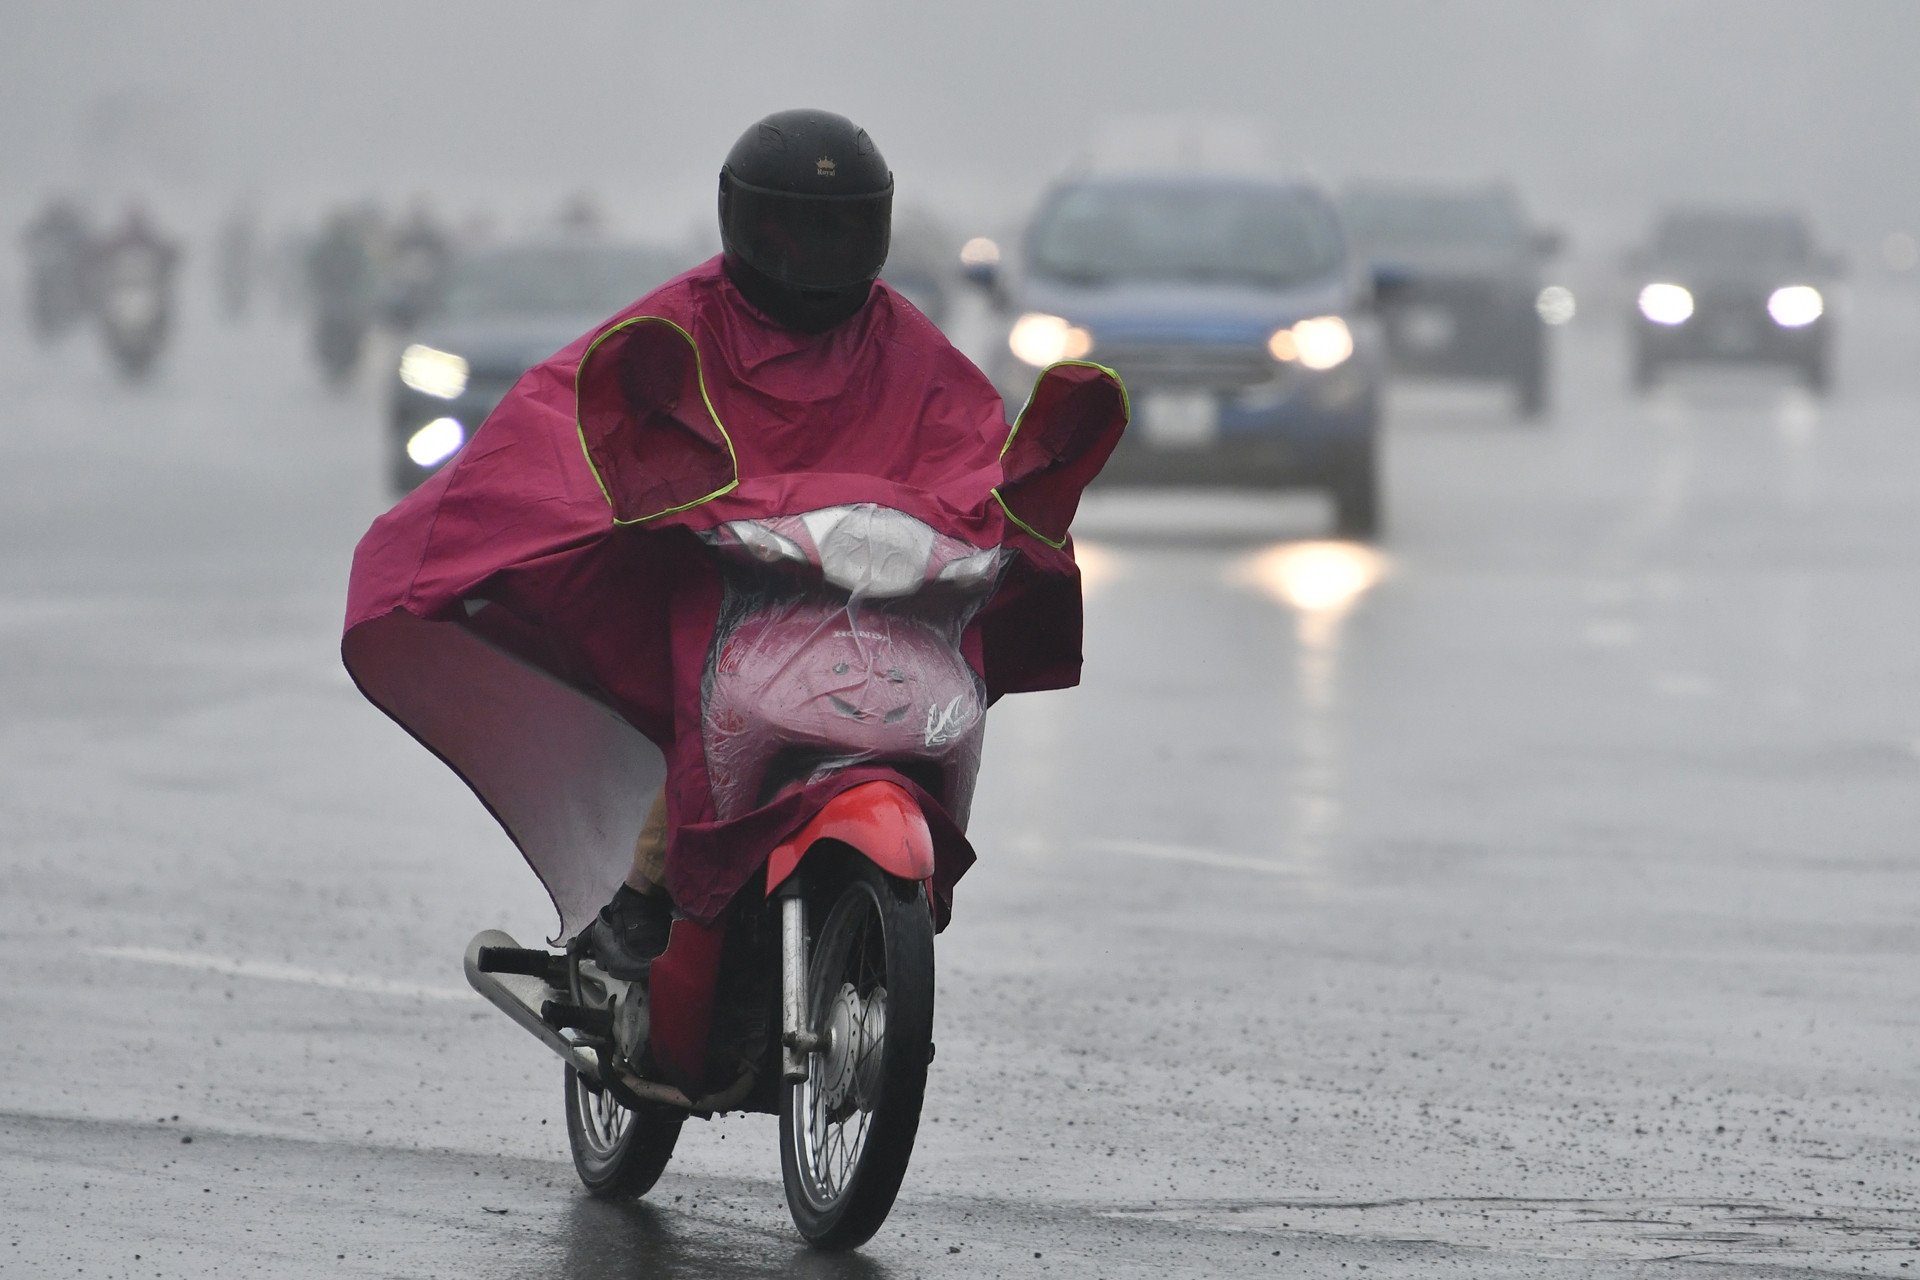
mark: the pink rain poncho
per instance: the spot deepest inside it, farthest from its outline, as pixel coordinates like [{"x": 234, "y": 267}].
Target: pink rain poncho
[{"x": 539, "y": 613}]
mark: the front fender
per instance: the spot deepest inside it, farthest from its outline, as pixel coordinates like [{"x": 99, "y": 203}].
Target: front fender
[{"x": 879, "y": 819}]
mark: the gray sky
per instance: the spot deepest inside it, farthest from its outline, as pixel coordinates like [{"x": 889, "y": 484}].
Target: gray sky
[{"x": 1595, "y": 109}]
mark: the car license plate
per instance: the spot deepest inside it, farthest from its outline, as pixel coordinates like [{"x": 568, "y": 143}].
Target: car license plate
[
  {"x": 1427, "y": 328},
  {"x": 1180, "y": 419}
]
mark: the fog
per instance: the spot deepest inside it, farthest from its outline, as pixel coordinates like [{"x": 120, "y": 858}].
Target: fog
[{"x": 1595, "y": 111}]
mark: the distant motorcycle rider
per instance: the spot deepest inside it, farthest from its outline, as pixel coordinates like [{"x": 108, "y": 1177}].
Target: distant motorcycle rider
[
  {"x": 342, "y": 283},
  {"x": 58, "y": 244},
  {"x": 415, "y": 271},
  {"x": 131, "y": 282}
]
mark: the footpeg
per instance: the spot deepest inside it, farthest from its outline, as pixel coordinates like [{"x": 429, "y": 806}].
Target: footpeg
[
  {"x": 562, "y": 1015},
  {"x": 528, "y": 961}
]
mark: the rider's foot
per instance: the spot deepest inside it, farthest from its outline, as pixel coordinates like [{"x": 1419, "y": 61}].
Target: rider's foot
[{"x": 629, "y": 933}]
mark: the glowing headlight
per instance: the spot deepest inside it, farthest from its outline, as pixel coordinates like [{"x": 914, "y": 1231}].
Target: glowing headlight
[
  {"x": 1555, "y": 304},
  {"x": 1796, "y": 306},
  {"x": 436, "y": 442},
  {"x": 1322, "y": 342},
  {"x": 431, "y": 372},
  {"x": 1666, "y": 303},
  {"x": 1040, "y": 339},
  {"x": 979, "y": 252}
]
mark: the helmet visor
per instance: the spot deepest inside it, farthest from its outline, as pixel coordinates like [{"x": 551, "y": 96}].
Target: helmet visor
[{"x": 809, "y": 241}]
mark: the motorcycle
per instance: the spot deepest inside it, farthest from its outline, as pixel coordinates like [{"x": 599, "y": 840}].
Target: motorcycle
[
  {"x": 813, "y": 996},
  {"x": 842, "y": 653}
]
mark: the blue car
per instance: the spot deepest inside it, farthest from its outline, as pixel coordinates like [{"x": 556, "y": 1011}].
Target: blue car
[{"x": 1235, "y": 312}]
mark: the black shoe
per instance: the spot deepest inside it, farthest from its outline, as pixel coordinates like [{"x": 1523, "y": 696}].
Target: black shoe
[{"x": 629, "y": 933}]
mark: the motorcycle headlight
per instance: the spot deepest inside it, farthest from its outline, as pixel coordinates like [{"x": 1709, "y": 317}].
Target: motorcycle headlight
[
  {"x": 1796, "y": 306},
  {"x": 1040, "y": 339},
  {"x": 1667, "y": 304},
  {"x": 433, "y": 372},
  {"x": 871, "y": 551},
  {"x": 1554, "y": 304},
  {"x": 1318, "y": 343}
]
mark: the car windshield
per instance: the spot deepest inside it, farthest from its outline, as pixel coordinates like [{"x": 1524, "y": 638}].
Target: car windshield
[
  {"x": 1732, "y": 237},
  {"x": 554, "y": 280},
  {"x": 1406, "y": 220},
  {"x": 1272, "y": 236}
]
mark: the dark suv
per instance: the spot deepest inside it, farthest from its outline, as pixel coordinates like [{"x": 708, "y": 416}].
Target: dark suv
[
  {"x": 1725, "y": 285},
  {"x": 1465, "y": 294},
  {"x": 1234, "y": 312}
]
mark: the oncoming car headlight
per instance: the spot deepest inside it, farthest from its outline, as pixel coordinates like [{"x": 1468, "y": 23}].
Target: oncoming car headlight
[
  {"x": 1040, "y": 339},
  {"x": 1796, "y": 306},
  {"x": 1667, "y": 304},
  {"x": 434, "y": 443},
  {"x": 433, "y": 372},
  {"x": 1319, "y": 343}
]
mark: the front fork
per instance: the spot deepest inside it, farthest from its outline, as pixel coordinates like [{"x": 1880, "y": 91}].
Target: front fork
[{"x": 797, "y": 1041}]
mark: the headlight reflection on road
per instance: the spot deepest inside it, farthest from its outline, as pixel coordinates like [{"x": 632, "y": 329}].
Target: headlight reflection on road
[
  {"x": 1320, "y": 582},
  {"x": 1317, "y": 578}
]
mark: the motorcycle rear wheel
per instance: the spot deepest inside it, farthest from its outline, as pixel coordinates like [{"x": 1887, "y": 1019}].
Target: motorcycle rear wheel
[
  {"x": 618, "y": 1152},
  {"x": 847, "y": 1130}
]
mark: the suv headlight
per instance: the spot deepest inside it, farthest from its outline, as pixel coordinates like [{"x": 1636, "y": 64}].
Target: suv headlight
[
  {"x": 1796, "y": 306},
  {"x": 1318, "y": 343},
  {"x": 1667, "y": 304},
  {"x": 1040, "y": 339},
  {"x": 432, "y": 372}
]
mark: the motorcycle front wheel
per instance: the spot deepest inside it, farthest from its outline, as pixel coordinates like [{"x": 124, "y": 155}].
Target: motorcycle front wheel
[
  {"x": 618, "y": 1152},
  {"x": 847, "y": 1130}
]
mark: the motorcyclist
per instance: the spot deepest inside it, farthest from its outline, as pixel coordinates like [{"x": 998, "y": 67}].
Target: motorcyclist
[
  {"x": 58, "y": 245},
  {"x": 417, "y": 260},
  {"x": 132, "y": 274},
  {"x": 341, "y": 284},
  {"x": 539, "y": 612},
  {"x": 806, "y": 204}
]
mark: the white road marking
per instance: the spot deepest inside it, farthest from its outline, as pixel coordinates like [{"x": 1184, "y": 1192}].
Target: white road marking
[
  {"x": 1190, "y": 855},
  {"x": 268, "y": 971}
]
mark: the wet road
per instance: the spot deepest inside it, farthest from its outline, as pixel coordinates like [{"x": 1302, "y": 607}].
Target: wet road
[{"x": 1535, "y": 897}]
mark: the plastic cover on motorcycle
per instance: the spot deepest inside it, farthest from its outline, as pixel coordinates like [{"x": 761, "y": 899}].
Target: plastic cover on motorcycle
[{"x": 550, "y": 612}]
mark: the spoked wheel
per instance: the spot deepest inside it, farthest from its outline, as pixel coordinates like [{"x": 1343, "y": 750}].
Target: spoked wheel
[
  {"x": 846, "y": 1131},
  {"x": 619, "y": 1152}
]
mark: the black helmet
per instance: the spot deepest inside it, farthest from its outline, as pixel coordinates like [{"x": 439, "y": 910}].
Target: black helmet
[{"x": 806, "y": 215}]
